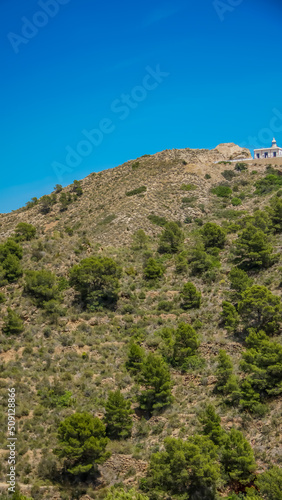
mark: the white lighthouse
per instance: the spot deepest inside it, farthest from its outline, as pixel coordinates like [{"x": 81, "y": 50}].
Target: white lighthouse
[{"x": 272, "y": 152}]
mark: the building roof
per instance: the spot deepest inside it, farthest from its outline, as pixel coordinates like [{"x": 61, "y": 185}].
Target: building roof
[{"x": 273, "y": 146}]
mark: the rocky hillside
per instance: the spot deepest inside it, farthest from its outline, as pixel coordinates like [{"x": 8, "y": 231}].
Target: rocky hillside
[{"x": 167, "y": 266}]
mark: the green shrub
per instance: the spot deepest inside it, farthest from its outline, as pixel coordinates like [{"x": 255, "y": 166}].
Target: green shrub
[
  {"x": 153, "y": 269},
  {"x": 269, "y": 483},
  {"x": 156, "y": 219},
  {"x": 46, "y": 203},
  {"x": 65, "y": 200},
  {"x": 10, "y": 255},
  {"x": 165, "y": 305},
  {"x": 58, "y": 188},
  {"x": 42, "y": 286},
  {"x": 32, "y": 203},
  {"x": 236, "y": 202},
  {"x": 24, "y": 232},
  {"x": 13, "y": 324},
  {"x": 198, "y": 221},
  {"x": 107, "y": 220},
  {"x": 55, "y": 397},
  {"x": 207, "y": 176},
  {"x": 188, "y": 187},
  {"x": 141, "y": 189},
  {"x": 269, "y": 183},
  {"x": 10, "y": 270},
  {"x": 120, "y": 494},
  {"x": 240, "y": 167},
  {"x": 228, "y": 174},
  {"x": 140, "y": 240},
  {"x": 188, "y": 200},
  {"x": 135, "y": 165},
  {"x": 222, "y": 191},
  {"x": 77, "y": 188}
]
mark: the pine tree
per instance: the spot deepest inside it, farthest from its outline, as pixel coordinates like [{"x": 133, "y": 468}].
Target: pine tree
[
  {"x": 253, "y": 248},
  {"x": 155, "y": 377},
  {"x": 13, "y": 323},
  {"x": 212, "y": 428},
  {"x": 229, "y": 316},
  {"x": 227, "y": 383},
  {"x": 118, "y": 416},
  {"x": 82, "y": 443},
  {"x": 186, "y": 344},
  {"x": 135, "y": 358},
  {"x": 191, "y": 298},
  {"x": 238, "y": 458},
  {"x": 171, "y": 238},
  {"x": 260, "y": 309},
  {"x": 213, "y": 235}
]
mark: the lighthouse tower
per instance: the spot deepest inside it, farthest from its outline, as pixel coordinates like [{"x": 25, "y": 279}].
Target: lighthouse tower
[{"x": 274, "y": 143}]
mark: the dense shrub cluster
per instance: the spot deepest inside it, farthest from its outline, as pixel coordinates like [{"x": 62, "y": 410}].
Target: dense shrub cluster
[
  {"x": 97, "y": 281},
  {"x": 11, "y": 254}
]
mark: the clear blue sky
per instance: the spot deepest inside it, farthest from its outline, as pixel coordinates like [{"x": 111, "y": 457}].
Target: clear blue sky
[{"x": 220, "y": 81}]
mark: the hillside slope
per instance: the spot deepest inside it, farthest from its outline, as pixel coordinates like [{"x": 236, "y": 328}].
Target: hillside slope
[{"x": 67, "y": 356}]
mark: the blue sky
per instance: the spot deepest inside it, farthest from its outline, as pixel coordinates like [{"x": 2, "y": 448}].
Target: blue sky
[{"x": 143, "y": 76}]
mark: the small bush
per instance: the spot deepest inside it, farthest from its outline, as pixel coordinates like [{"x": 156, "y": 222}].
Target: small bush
[
  {"x": 188, "y": 187},
  {"x": 25, "y": 232},
  {"x": 42, "y": 285},
  {"x": 153, "y": 269},
  {"x": 240, "y": 167},
  {"x": 13, "y": 324},
  {"x": 135, "y": 165},
  {"x": 141, "y": 189},
  {"x": 156, "y": 219},
  {"x": 76, "y": 188},
  {"x": 228, "y": 174},
  {"x": 222, "y": 191},
  {"x": 236, "y": 202}
]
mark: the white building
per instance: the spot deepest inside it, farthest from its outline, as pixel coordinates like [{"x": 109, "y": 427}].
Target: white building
[{"x": 272, "y": 152}]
